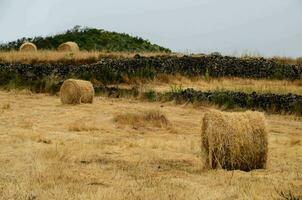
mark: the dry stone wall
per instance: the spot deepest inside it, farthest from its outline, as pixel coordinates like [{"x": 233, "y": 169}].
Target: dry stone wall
[
  {"x": 272, "y": 103},
  {"x": 112, "y": 70}
]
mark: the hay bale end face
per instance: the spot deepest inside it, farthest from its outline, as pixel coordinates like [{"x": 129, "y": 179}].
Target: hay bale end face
[
  {"x": 234, "y": 141},
  {"x": 75, "y": 91},
  {"x": 27, "y": 47},
  {"x": 69, "y": 46}
]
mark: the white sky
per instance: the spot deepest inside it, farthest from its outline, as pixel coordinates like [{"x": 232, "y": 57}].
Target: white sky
[{"x": 266, "y": 27}]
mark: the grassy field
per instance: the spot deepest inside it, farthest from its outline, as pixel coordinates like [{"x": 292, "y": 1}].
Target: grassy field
[
  {"x": 56, "y": 56},
  {"x": 132, "y": 149},
  {"x": 127, "y": 149},
  {"x": 48, "y": 56},
  {"x": 163, "y": 83}
]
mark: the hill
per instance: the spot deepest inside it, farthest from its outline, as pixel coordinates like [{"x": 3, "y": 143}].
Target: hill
[{"x": 90, "y": 39}]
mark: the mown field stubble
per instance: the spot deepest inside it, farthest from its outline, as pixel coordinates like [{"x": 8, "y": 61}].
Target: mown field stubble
[
  {"x": 48, "y": 56},
  {"x": 91, "y": 151},
  {"x": 164, "y": 82}
]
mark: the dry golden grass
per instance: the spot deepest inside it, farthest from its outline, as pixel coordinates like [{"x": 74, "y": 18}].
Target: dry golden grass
[
  {"x": 287, "y": 60},
  {"x": 295, "y": 142},
  {"x": 83, "y": 125},
  {"x": 151, "y": 118},
  {"x": 5, "y": 106},
  {"x": 280, "y": 59},
  {"x": 48, "y": 161},
  {"x": 90, "y": 56},
  {"x": 56, "y": 56},
  {"x": 164, "y": 83}
]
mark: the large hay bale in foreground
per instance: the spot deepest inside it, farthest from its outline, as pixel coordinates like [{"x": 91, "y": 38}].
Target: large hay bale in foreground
[
  {"x": 28, "y": 46},
  {"x": 69, "y": 46},
  {"x": 75, "y": 91},
  {"x": 234, "y": 141}
]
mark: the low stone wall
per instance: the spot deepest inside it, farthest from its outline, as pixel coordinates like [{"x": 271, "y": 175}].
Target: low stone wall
[
  {"x": 272, "y": 103},
  {"x": 113, "y": 70},
  {"x": 275, "y": 103}
]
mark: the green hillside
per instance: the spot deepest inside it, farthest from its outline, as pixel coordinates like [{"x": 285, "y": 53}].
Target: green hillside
[{"x": 90, "y": 39}]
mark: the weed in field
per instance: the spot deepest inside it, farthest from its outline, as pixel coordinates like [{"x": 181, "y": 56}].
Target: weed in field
[
  {"x": 207, "y": 75},
  {"x": 176, "y": 89}
]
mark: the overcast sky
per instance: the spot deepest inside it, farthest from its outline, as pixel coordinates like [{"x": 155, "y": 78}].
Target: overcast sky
[{"x": 266, "y": 27}]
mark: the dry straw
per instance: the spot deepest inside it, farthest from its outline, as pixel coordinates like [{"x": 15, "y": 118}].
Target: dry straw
[
  {"x": 28, "y": 46},
  {"x": 234, "y": 141},
  {"x": 75, "y": 91},
  {"x": 151, "y": 118},
  {"x": 69, "y": 46}
]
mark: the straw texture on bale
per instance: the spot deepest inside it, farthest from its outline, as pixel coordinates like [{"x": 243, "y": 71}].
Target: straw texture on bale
[
  {"x": 234, "y": 141},
  {"x": 69, "y": 46},
  {"x": 28, "y": 46},
  {"x": 75, "y": 91}
]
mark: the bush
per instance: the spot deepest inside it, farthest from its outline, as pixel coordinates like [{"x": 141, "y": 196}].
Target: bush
[
  {"x": 223, "y": 99},
  {"x": 151, "y": 95}
]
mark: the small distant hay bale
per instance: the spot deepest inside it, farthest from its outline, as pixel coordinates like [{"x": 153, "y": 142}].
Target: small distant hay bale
[
  {"x": 234, "y": 141},
  {"x": 28, "y": 46},
  {"x": 75, "y": 91},
  {"x": 69, "y": 46}
]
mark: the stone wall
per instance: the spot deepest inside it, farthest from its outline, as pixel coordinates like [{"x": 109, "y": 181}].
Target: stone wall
[
  {"x": 272, "y": 103},
  {"x": 112, "y": 70}
]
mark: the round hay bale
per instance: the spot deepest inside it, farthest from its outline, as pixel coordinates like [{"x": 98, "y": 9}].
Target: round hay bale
[
  {"x": 69, "y": 46},
  {"x": 75, "y": 91},
  {"x": 28, "y": 46},
  {"x": 234, "y": 141}
]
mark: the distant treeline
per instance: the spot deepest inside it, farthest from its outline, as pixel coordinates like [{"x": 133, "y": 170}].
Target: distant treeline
[{"x": 90, "y": 39}]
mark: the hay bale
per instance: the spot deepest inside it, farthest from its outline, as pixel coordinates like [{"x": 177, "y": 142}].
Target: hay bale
[
  {"x": 28, "y": 46},
  {"x": 69, "y": 46},
  {"x": 75, "y": 91},
  {"x": 234, "y": 141}
]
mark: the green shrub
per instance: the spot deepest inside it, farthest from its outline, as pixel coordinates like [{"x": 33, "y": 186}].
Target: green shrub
[
  {"x": 106, "y": 76},
  {"x": 52, "y": 84},
  {"x": 278, "y": 75},
  {"x": 249, "y": 102},
  {"x": 297, "y": 107},
  {"x": 151, "y": 95},
  {"x": 14, "y": 82},
  {"x": 223, "y": 99}
]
